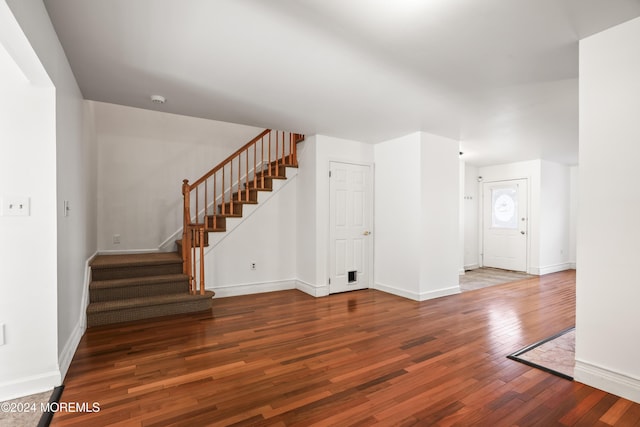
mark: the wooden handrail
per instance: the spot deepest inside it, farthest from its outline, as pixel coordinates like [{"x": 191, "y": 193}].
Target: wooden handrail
[
  {"x": 228, "y": 159},
  {"x": 197, "y": 222}
]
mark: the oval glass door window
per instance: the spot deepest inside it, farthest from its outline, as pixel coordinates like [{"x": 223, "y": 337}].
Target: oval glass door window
[{"x": 504, "y": 211}]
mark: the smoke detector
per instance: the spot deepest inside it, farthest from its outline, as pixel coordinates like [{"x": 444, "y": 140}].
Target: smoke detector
[{"x": 158, "y": 99}]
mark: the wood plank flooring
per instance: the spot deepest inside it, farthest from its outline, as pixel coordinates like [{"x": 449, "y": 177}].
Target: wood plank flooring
[{"x": 359, "y": 358}]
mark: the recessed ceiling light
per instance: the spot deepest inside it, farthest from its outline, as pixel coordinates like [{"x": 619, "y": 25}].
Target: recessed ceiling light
[{"x": 158, "y": 99}]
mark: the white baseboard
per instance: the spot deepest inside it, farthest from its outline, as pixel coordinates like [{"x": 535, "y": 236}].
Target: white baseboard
[
  {"x": 438, "y": 293},
  {"x": 610, "y": 381},
  {"x": 30, "y": 385},
  {"x": 418, "y": 296},
  {"x": 252, "y": 288},
  {"x": 69, "y": 350},
  {"x": 313, "y": 290},
  {"x": 548, "y": 269},
  {"x": 396, "y": 291},
  {"x": 471, "y": 267},
  {"x": 70, "y": 347},
  {"x": 126, "y": 251}
]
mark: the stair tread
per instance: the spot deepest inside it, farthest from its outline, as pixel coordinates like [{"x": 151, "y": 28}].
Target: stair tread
[
  {"x": 129, "y": 260},
  {"x": 97, "y": 307},
  {"x": 136, "y": 281}
]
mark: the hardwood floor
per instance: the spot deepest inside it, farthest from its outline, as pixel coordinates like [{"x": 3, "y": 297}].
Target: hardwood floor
[{"x": 359, "y": 358}]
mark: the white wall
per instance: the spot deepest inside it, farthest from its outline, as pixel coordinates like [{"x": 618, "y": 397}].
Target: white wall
[
  {"x": 266, "y": 237},
  {"x": 143, "y": 156},
  {"x": 397, "y": 230},
  {"x": 28, "y": 294},
  {"x": 573, "y": 215},
  {"x": 417, "y": 243},
  {"x": 306, "y": 216},
  {"x": 607, "y": 315},
  {"x": 555, "y": 217},
  {"x": 75, "y": 177},
  {"x": 440, "y": 218},
  {"x": 471, "y": 199}
]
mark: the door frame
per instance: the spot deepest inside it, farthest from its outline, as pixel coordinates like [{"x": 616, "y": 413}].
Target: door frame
[
  {"x": 371, "y": 255},
  {"x": 481, "y": 217}
]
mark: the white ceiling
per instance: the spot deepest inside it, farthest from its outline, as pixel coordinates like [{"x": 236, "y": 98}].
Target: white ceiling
[{"x": 498, "y": 75}]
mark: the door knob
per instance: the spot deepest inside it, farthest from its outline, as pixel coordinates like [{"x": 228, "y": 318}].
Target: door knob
[
  {"x": 522, "y": 232},
  {"x": 366, "y": 233}
]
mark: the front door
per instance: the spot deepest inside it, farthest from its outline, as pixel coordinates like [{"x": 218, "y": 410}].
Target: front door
[
  {"x": 350, "y": 220},
  {"x": 505, "y": 231}
]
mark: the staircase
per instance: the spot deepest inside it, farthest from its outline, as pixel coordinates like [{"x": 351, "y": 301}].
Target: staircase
[{"x": 140, "y": 286}]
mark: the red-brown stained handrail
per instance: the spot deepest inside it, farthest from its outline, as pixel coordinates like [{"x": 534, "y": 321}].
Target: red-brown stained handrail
[{"x": 228, "y": 159}]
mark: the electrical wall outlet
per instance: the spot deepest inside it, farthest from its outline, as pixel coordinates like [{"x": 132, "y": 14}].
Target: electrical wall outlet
[
  {"x": 252, "y": 266},
  {"x": 116, "y": 239}
]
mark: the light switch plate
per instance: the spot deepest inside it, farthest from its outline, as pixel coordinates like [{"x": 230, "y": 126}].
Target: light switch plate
[{"x": 15, "y": 206}]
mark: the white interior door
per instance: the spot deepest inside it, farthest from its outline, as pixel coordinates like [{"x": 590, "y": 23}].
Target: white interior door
[
  {"x": 350, "y": 220},
  {"x": 505, "y": 231}
]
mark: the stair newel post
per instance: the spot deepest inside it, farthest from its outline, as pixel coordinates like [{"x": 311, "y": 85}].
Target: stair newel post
[
  {"x": 201, "y": 261},
  {"x": 186, "y": 234}
]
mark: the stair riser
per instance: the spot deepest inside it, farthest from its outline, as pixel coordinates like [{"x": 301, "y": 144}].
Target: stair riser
[
  {"x": 268, "y": 184},
  {"x": 237, "y": 209},
  {"x": 242, "y": 196},
  {"x": 135, "y": 271},
  {"x": 221, "y": 223},
  {"x": 136, "y": 291},
  {"x": 139, "y": 313}
]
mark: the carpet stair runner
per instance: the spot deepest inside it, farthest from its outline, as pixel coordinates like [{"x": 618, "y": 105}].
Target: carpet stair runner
[{"x": 140, "y": 286}]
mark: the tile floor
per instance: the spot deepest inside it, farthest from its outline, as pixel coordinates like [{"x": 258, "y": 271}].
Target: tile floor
[
  {"x": 482, "y": 277},
  {"x": 23, "y": 412},
  {"x": 557, "y": 354}
]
